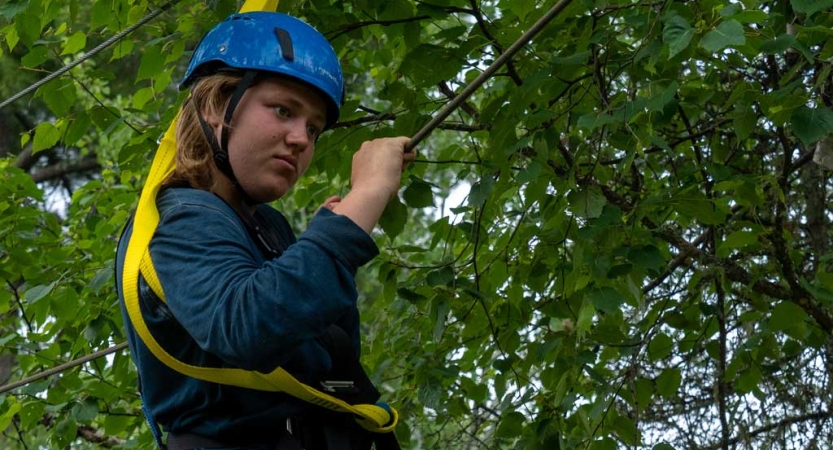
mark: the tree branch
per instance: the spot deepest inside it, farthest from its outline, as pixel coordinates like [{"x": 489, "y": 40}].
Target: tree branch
[
  {"x": 95, "y": 436},
  {"x": 735, "y": 273},
  {"x": 465, "y": 106},
  {"x": 356, "y": 25},
  {"x": 25, "y": 160},
  {"x": 86, "y": 432},
  {"x": 773, "y": 426},
  {"x": 64, "y": 168},
  {"x": 481, "y": 22}
]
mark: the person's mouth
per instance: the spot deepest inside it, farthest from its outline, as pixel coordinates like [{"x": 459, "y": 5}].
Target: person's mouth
[{"x": 289, "y": 161}]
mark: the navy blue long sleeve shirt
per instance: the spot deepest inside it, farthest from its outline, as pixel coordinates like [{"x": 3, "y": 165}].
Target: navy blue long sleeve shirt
[{"x": 228, "y": 306}]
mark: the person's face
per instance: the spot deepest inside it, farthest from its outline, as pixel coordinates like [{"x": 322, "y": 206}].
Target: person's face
[{"x": 272, "y": 136}]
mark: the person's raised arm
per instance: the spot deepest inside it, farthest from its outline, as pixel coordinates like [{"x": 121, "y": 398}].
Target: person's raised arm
[{"x": 376, "y": 171}]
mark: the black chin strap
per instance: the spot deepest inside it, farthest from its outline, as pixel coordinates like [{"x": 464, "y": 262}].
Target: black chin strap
[{"x": 220, "y": 150}]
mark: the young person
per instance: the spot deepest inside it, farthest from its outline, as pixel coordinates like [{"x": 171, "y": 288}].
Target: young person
[{"x": 239, "y": 289}]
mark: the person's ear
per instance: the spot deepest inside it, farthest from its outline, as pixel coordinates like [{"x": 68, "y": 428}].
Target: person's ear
[{"x": 212, "y": 118}]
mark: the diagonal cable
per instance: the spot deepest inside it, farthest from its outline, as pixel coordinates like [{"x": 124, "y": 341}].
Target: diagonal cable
[
  {"x": 62, "y": 367},
  {"x": 486, "y": 74},
  {"x": 89, "y": 55}
]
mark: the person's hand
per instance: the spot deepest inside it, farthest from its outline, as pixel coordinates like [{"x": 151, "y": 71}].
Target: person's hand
[
  {"x": 330, "y": 203},
  {"x": 378, "y": 165},
  {"x": 376, "y": 174}
]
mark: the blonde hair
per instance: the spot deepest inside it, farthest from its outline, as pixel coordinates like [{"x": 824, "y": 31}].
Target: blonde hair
[{"x": 194, "y": 157}]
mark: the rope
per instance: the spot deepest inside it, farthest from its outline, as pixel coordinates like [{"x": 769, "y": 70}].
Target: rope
[
  {"x": 415, "y": 140},
  {"x": 497, "y": 64},
  {"x": 62, "y": 367},
  {"x": 89, "y": 55}
]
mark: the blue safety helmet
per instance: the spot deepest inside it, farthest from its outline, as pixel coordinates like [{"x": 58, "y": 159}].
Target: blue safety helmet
[{"x": 275, "y": 43}]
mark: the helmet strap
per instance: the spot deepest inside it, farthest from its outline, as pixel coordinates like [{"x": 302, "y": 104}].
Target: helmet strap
[{"x": 220, "y": 150}]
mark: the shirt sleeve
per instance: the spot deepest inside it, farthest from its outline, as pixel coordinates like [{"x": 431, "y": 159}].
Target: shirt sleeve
[{"x": 256, "y": 315}]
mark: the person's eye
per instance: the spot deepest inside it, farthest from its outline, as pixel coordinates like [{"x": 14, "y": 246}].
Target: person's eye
[
  {"x": 283, "y": 111},
  {"x": 313, "y": 131}
]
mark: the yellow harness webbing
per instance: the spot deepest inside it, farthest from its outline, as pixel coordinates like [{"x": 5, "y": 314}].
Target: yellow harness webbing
[{"x": 138, "y": 262}]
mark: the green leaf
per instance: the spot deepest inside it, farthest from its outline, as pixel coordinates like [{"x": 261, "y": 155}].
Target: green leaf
[
  {"x": 85, "y": 411},
  {"x": 585, "y": 317},
  {"x": 418, "y": 194},
  {"x": 693, "y": 203},
  {"x": 658, "y": 102},
  {"x": 668, "y": 382},
  {"x": 810, "y": 7},
  {"x": 748, "y": 380},
  {"x": 604, "y": 443},
  {"x": 576, "y": 59},
  {"x": 78, "y": 127},
  {"x": 648, "y": 257},
  {"x": 812, "y": 124},
  {"x": 428, "y": 64},
  {"x": 114, "y": 425},
  {"x": 728, "y": 33},
  {"x": 677, "y": 34},
  {"x": 394, "y": 218},
  {"x": 12, "y": 38},
  {"x": 744, "y": 121},
  {"x": 778, "y": 45},
  {"x": 606, "y": 299},
  {"x": 36, "y": 56},
  {"x": 480, "y": 191},
  {"x": 59, "y": 95},
  {"x": 751, "y": 16},
  {"x": 587, "y": 203},
  {"x": 14, "y": 408},
  {"x": 8, "y": 11},
  {"x": 440, "y": 277},
  {"x": 592, "y": 120},
  {"x": 644, "y": 392},
  {"x": 141, "y": 97},
  {"x": 410, "y": 295},
  {"x": 663, "y": 446},
  {"x": 660, "y": 347},
  {"x": 36, "y": 293},
  {"x": 736, "y": 240},
  {"x": 74, "y": 43},
  {"x": 429, "y": 393},
  {"x": 64, "y": 433},
  {"x": 439, "y": 313},
  {"x": 152, "y": 63},
  {"x": 46, "y": 136},
  {"x": 511, "y": 425},
  {"x": 31, "y": 413},
  {"x": 785, "y": 316},
  {"x": 102, "y": 277},
  {"x": 122, "y": 48},
  {"x": 28, "y": 25}
]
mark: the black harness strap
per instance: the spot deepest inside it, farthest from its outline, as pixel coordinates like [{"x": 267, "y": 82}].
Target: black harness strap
[{"x": 190, "y": 441}]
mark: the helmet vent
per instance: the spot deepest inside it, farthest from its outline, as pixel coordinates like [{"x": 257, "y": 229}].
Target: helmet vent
[{"x": 285, "y": 41}]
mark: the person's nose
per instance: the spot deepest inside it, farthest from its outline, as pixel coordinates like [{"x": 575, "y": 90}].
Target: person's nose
[{"x": 297, "y": 136}]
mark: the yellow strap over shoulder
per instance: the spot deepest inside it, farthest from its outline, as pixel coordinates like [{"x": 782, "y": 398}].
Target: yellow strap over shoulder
[{"x": 137, "y": 261}]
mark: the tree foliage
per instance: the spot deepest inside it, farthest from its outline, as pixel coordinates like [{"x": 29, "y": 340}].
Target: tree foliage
[{"x": 623, "y": 240}]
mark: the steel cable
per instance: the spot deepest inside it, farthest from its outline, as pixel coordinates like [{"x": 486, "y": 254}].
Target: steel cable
[
  {"x": 486, "y": 74},
  {"x": 89, "y": 55},
  {"x": 62, "y": 367}
]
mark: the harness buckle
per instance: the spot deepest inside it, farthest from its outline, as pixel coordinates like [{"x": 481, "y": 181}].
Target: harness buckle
[{"x": 336, "y": 386}]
